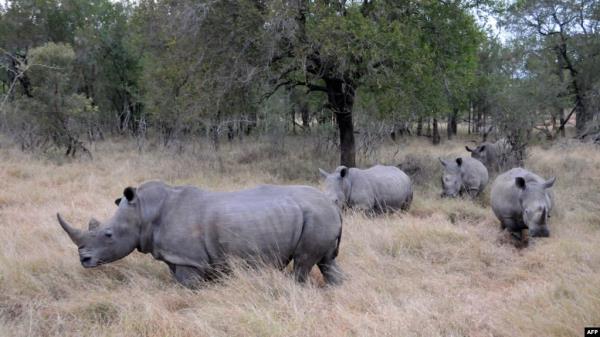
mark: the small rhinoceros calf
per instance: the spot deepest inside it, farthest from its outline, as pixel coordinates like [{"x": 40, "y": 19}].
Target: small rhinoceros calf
[
  {"x": 377, "y": 189},
  {"x": 195, "y": 232},
  {"x": 463, "y": 175},
  {"x": 492, "y": 155},
  {"x": 522, "y": 201}
]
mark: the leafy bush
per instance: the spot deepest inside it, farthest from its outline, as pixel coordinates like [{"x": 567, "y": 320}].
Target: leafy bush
[{"x": 55, "y": 114}]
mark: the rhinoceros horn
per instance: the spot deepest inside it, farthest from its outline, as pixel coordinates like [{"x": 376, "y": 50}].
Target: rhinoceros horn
[{"x": 74, "y": 234}]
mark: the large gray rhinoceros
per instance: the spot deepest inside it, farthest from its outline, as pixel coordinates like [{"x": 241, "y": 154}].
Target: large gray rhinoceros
[
  {"x": 377, "y": 189},
  {"x": 492, "y": 155},
  {"x": 195, "y": 231},
  {"x": 522, "y": 201},
  {"x": 463, "y": 175}
]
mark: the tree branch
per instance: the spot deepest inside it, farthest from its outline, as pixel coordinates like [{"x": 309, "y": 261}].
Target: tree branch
[{"x": 562, "y": 125}]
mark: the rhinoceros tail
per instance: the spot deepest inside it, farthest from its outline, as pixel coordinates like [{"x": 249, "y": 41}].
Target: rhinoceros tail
[
  {"x": 406, "y": 205},
  {"x": 339, "y": 238}
]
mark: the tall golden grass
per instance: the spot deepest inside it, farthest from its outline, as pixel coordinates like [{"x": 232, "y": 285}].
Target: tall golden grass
[{"x": 441, "y": 269}]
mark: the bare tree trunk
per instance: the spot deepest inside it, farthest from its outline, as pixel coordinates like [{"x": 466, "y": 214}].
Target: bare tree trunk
[
  {"x": 293, "y": 119},
  {"x": 230, "y": 132},
  {"x": 470, "y": 116},
  {"x": 454, "y": 121},
  {"x": 15, "y": 72},
  {"x": 583, "y": 113},
  {"x": 483, "y": 126},
  {"x": 251, "y": 124},
  {"x": 562, "y": 123},
  {"x": 420, "y": 126},
  {"x": 304, "y": 112},
  {"x": 340, "y": 95},
  {"x": 449, "y": 127},
  {"x": 436, "y": 134},
  {"x": 428, "y": 134},
  {"x": 347, "y": 149}
]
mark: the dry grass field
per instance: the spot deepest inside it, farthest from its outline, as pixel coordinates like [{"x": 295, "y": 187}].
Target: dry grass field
[{"x": 441, "y": 269}]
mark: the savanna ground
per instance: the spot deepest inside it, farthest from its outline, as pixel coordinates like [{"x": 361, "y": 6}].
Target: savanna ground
[{"x": 441, "y": 269}]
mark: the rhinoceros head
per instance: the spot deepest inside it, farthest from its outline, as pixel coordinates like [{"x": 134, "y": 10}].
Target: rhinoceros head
[
  {"x": 480, "y": 152},
  {"x": 113, "y": 240},
  {"x": 451, "y": 178},
  {"x": 534, "y": 202},
  {"x": 337, "y": 185}
]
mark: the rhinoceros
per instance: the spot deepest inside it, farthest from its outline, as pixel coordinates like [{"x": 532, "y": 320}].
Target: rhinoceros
[
  {"x": 492, "y": 155},
  {"x": 377, "y": 189},
  {"x": 195, "y": 232},
  {"x": 523, "y": 201},
  {"x": 463, "y": 175}
]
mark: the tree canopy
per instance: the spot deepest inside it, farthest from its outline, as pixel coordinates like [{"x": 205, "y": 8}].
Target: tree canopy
[{"x": 192, "y": 68}]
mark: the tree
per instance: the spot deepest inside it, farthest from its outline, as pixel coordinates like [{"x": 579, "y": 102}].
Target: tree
[
  {"x": 199, "y": 64},
  {"x": 59, "y": 112},
  {"x": 373, "y": 48},
  {"x": 390, "y": 51},
  {"x": 104, "y": 68},
  {"x": 569, "y": 30},
  {"x": 187, "y": 68},
  {"x": 107, "y": 65}
]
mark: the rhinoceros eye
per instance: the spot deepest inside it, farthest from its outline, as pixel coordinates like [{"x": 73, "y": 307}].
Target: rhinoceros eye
[{"x": 108, "y": 233}]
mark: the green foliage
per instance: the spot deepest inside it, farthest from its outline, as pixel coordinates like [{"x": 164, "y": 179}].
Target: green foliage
[
  {"x": 104, "y": 68},
  {"x": 198, "y": 69},
  {"x": 407, "y": 58},
  {"x": 191, "y": 68},
  {"x": 108, "y": 67},
  {"x": 60, "y": 113},
  {"x": 51, "y": 68},
  {"x": 565, "y": 35}
]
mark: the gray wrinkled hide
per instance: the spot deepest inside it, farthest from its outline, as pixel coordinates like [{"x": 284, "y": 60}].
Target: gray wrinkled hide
[
  {"x": 492, "y": 155},
  {"x": 463, "y": 175},
  {"x": 520, "y": 208},
  {"x": 195, "y": 231},
  {"x": 377, "y": 189}
]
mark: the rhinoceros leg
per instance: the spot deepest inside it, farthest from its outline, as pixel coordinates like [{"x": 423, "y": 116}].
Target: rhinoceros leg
[
  {"x": 510, "y": 224},
  {"x": 171, "y": 268},
  {"x": 472, "y": 192},
  {"x": 406, "y": 205},
  {"x": 331, "y": 272},
  {"x": 518, "y": 230},
  {"x": 524, "y": 237},
  {"x": 189, "y": 277},
  {"x": 303, "y": 263}
]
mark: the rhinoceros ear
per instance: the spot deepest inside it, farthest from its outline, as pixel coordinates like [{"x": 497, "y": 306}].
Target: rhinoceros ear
[
  {"x": 468, "y": 149},
  {"x": 129, "y": 193},
  {"x": 323, "y": 173},
  {"x": 93, "y": 224},
  {"x": 550, "y": 182},
  {"x": 343, "y": 171},
  {"x": 118, "y": 201},
  {"x": 520, "y": 182},
  {"x": 459, "y": 161}
]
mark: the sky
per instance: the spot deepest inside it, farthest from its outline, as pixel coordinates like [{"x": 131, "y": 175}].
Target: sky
[{"x": 490, "y": 22}]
